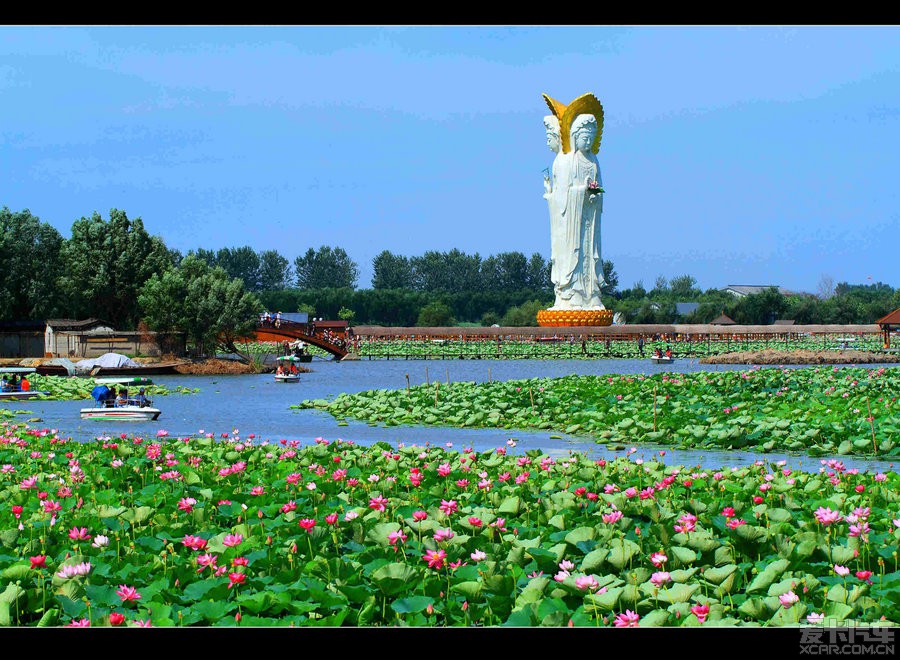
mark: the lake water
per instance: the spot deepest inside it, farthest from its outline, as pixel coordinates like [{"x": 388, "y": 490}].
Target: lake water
[{"x": 257, "y": 404}]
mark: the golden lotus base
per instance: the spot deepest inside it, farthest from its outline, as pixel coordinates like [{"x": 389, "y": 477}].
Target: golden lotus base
[{"x": 561, "y": 318}]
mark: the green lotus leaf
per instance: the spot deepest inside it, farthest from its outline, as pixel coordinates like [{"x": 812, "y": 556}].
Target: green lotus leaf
[
  {"x": 394, "y": 578},
  {"x": 412, "y": 604},
  {"x": 718, "y": 575},
  {"x": 621, "y": 552}
]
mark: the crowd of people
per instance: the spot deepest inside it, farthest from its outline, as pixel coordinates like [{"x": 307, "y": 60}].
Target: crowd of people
[{"x": 12, "y": 383}]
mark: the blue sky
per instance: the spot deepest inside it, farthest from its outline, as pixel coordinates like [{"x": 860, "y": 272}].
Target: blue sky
[{"x": 738, "y": 155}]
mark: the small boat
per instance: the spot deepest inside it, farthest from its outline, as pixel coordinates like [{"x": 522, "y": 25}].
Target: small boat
[
  {"x": 662, "y": 360},
  {"x": 124, "y": 380},
  {"x": 17, "y": 395},
  {"x": 287, "y": 376},
  {"x": 106, "y": 410},
  {"x": 130, "y": 412}
]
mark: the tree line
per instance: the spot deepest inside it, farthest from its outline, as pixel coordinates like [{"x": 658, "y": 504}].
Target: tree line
[{"x": 114, "y": 269}]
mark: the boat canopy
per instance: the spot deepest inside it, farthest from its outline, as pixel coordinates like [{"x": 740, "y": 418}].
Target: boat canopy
[{"x": 99, "y": 392}]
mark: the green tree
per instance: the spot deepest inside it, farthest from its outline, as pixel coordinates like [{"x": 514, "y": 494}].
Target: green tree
[
  {"x": 274, "y": 271},
  {"x": 30, "y": 257},
  {"x": 346, "y": 314},
  {"x": 524, "y": 314},
  {"x": 610, "y": 288},
  {"x": 106, "y": 265},
  {"x": 538, "y": 274},
  {"x": 326, "y": 267},
  {"x": 435, "y": 314},
  {"x": 242, "y": 262},
  {"x": 202, "y": 302},
  {"x": 684, "y": 288},
  {"x": 391, "y": 271}
]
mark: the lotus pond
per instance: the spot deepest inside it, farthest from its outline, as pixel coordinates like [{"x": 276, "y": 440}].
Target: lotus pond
[
  {"x": 820, "y": 411},
  {"x": 211, "y": 531}
]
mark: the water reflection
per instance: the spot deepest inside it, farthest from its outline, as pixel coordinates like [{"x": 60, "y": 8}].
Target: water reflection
[{"x": 258, "y": 405}]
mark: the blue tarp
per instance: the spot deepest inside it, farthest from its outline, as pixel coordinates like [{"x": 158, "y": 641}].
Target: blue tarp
[{"x": 99, "y": 392}]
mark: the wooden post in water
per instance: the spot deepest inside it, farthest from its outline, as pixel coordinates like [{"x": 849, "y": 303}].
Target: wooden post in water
[
  {"x": 489, "y": 374},
  {"x": 448, "y": 376},
  {"x": 407, "y": 384},
  {"x": 427, "y": 382},
  {"x": 437, "y": 387}
]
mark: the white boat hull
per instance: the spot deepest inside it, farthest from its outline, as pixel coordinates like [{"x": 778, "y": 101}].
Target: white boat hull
[
  {"x": 16, "y": 396},
  {"x": 662, "y": 360},
  {"x": 287, "y": 378},
  {"x": 122, "y": 413}
]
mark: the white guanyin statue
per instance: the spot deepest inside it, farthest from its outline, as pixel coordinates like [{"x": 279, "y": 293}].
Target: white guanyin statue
[{"x": 574, "y": 197}]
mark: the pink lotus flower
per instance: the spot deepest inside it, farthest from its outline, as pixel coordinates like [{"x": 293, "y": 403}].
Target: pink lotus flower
[
  {"x": 864, "y": 575},
  {"x": 206, "y": 560},
  {"x": 186, "y": 504},
  {"x": 142, "y": 623},
  {"x": 815, "y": 617},
  {"x": 843, "y": 571},
  {"x": 701, "y": 612},
  {"x": 38, "y": 561},
  {"x": 290, "y": 506},
  {"x": 449, "y": 506},
  {"x": 627, "y": 619},
  {"x": 611, "y": 518},
  {"x": 435, "y": 558},
  {"x": 378, "y": 503},
  {"x": 788, "y": 599},
  {"x": 443, "y": 535},
  {"x": 232, "y": 540},
  {"x": 307, "y": 523},
  {"x": 734, "y": 523},
  {"x": 419, "y": 516},
  {"x": 658, "y": 559},
  {"x": 584, "y": 582},
  {"x": 630, "y": 492},
  {"x": 127, "y": 593},
  {"x": 17, "y": 511},
  {"x": 79, "y": 623},
  {"x": 79, "y": 534},
  {"x": 331, "y": 518},
  {"x": 728, "y": 512},
  {"x": 116, "y": 619},
  {"x": 478, "y": 555},
  {"x": 660, "y": 579},
  {"x": 235, "y": 579},
  {"x": 75, "y": 570},
  {"x": 194, "y": 542},
  {"x": 827, "y": 516},
  {"x": 258, "y": 490}
]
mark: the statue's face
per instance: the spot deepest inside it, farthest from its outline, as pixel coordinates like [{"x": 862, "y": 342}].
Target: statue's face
[
  {"x": 584, "y": 138},
  {"x": 584, "y": 130},
  {"x": 552, "y": 127}
]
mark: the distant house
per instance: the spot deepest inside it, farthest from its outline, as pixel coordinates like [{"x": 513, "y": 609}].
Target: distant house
[
  {"x": 94, "y": 337},
  {"x": 888, "y": 324},
  {"x": 21, "y": 338},
  {"x": 783, "y": 322},
  {"x": 685, "y": 308},
  {"x": 741, "y": 290},
  {"x": 722, "y": 320}
]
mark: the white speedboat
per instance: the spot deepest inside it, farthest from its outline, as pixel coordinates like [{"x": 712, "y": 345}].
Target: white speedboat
[
  {"x": 662, "y": 360},
  {"x": 287, "y": 378},
  {"x": 115, "y": 413}
]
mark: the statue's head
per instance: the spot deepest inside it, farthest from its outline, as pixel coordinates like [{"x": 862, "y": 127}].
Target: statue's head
[
  {"x": 551, "y": 123},
  {"x": 583, "y": 131}
]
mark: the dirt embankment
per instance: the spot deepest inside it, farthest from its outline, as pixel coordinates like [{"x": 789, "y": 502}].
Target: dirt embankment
[{"x": 770, "y": 356}]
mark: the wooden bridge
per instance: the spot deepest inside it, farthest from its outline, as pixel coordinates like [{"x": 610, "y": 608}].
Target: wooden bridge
[{"x": 330, "y": 336}]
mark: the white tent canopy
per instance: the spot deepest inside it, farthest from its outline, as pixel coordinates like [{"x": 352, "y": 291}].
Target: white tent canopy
[{"x": 106, "y": 360}]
